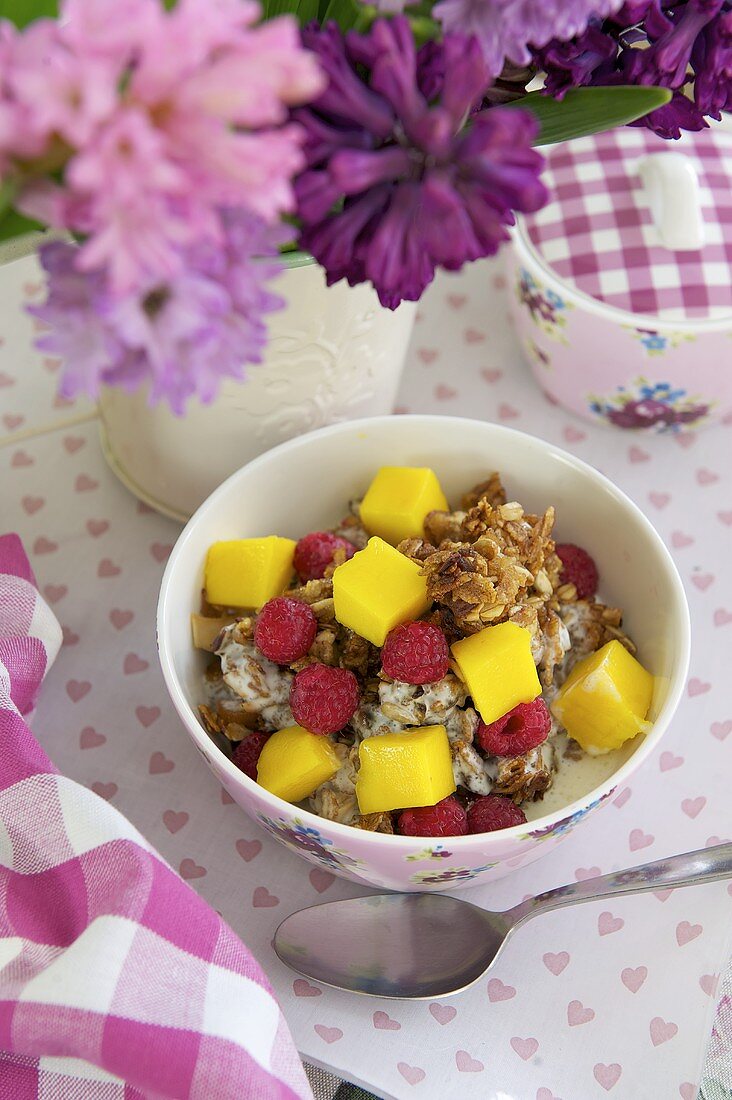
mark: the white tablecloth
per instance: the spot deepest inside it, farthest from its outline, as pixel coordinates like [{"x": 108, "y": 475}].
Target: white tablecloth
[{"x": 605, "y": 999}]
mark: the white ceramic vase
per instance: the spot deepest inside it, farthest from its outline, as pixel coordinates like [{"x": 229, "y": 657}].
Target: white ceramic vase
[{"x": 334, "y": 354}]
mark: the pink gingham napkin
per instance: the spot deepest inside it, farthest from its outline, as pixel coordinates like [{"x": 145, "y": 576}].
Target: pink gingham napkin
[{"x": 116, "y": 979}]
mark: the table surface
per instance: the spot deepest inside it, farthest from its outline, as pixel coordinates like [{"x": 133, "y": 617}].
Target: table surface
[{"x": 604, "y": 999}]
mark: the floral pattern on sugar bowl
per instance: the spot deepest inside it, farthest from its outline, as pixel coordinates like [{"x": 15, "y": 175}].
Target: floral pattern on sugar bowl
[
  {"x": 655, "y": 342},
  {"x": 593, "y": 359},
  {"x": 654, "y": 405},
  {"x": 546, "y": 307}
]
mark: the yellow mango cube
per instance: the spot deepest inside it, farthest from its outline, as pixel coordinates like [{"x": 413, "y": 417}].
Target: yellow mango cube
[
  {"x": 378, "y": 589},
  {"x": 294, "y": 762},
  {"x": 605, "y": 699},
  {"x": 498, "y": 669},
  {"x": 398, "y": 770},
  {"x": 397, "y": 501},
  {"x": 248, "y": 572}
]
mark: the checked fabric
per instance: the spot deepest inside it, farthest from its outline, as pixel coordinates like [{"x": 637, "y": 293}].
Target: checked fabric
[{"x": 117, "y": 982}]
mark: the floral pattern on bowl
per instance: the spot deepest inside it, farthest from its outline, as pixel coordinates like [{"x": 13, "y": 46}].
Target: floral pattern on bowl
[
  {"x": 450, "y": 874},
  {"x": 657, "y": 406},
  {"x": 438, "y": 852},
  {"x": 309, "y": 841},
  {"x": 560, "y": 828}
]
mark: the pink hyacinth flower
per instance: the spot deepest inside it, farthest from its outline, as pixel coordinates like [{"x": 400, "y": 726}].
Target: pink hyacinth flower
[{"x": 65, "y": 94}]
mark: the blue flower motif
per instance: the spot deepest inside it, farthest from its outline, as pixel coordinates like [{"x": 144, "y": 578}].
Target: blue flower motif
[
  {"x": 309, "y": 833},
  {"x": 654, "y": 342},
  {"x": 553, "y": 298},
  {"x": 646, "y": 405}
]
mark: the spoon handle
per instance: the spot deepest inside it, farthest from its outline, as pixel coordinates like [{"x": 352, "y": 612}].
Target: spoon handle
[{"x": 687, "y": 869}]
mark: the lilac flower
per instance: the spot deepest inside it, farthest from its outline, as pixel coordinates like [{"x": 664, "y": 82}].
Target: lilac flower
[
  {"x": 179, "y": 337},
  {"x": 508, "y": 29},
  {"x": 397, "y": 183}
]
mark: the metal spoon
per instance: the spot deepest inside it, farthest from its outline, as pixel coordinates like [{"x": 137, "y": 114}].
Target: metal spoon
[{"x": 432, "y": 945}]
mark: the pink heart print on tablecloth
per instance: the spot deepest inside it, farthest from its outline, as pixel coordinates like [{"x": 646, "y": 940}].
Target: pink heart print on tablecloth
[
  {"x": 607, "y": 1076},
  {"x": 467, "y": 1064},
  {"x": 444, "y": 1014},
  {"x": 555, "y": 964},
  {"x": 634, "y": 977},
  {"x": 383, "y": 1022},
  {"x": 577, "y": 1013},
  {"x": 497, "y": 991},
  {"x": 411, "y": 1074},
  {"x": 79, "y": 986}
]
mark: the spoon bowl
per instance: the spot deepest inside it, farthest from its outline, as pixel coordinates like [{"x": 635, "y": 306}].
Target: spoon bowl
[
  {"x": 419, "y": 946},
  {"x": 428, "y": 944}
]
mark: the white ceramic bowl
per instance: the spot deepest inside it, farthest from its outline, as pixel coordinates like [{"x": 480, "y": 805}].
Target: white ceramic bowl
[{"x": 304, "y": 485}]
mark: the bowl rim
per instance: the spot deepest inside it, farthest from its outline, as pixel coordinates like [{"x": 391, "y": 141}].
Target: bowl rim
[{"x": 396, "y": 842}]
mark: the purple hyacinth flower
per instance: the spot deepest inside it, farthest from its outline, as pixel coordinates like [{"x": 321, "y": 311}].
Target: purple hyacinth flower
[
  {"x": 712, "y": 62},
  {"x": 581, "y": 60},
  {"x": 666, "y": 61},
  {"x": 402, "y": 176},
  {"x": 652, "y": 42},
  {"x": 509, "y": 29}
]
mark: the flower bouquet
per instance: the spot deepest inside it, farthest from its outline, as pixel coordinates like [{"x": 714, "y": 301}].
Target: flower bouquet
[{"x": 181, "y": 149}]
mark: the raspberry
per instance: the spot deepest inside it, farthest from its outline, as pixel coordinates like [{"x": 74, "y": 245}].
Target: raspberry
[
  {"x": 578, "y": 568},
  {"x": 447, "y": 818},
  {"x": 246, "y": 753},
  {"x": 314, "y": 553},
  {"x": 415, "y": 653},
  {"x": 324, "y": 699},
  {"x": 523, "y": 728},
  {"x": 285, "y": 630},
  {"x": 492, "y": 812}
]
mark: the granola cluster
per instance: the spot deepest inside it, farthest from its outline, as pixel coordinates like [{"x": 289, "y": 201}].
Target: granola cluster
[{"x": 486, "y": 563}]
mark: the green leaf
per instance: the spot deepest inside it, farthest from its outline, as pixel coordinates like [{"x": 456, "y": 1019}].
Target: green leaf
[
  {"x": 7, "y": 194},
  {"x": 347, "y": 13},
  {"x": 307, "y": 11},
  {"x": 23, "y": 12},
  {"x": 13, "y": 224},
  {"x": 586, "y": 111}
]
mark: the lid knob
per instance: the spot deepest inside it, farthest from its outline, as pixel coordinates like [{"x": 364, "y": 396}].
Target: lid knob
[{"x": 671, "y": 186}]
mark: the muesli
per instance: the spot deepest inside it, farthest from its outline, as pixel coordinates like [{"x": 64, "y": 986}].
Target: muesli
[{"x": 417, "y": 670}]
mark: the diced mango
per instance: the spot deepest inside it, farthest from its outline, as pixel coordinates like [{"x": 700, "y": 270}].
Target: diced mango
[
  {"x": 294, "y": 762},
  {"x": 498, "y": 668},
  {"x": 378, "y": 589},
  {"x": 412, "y": 768},
  {"x": 397, "y": 501},
  {"x": 605, "y": 699},
  {"x": 248, "y": 572},
  {"x": 206, "y": 630}
]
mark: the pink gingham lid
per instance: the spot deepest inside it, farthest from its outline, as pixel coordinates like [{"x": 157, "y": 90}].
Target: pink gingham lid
[{"x": 639, "y": 231}]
